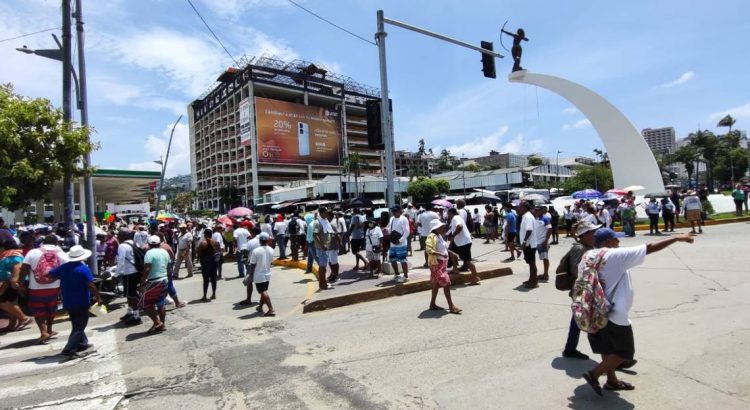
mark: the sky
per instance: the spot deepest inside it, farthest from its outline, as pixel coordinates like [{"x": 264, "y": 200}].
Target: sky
[{"x": 680, "y": 63}]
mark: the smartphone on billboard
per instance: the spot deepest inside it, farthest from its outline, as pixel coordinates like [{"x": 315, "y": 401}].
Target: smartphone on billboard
[{"x": 304, "y": 138}]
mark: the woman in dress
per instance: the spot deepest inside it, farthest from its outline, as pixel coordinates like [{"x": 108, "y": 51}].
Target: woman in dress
[{"x": 437, "y": 259}]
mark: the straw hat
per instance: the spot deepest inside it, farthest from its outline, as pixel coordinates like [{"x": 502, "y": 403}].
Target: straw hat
[{"x": 78, "y": 253}]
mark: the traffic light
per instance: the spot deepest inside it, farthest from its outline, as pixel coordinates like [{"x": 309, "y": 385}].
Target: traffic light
[
  {"x": 488, "y": 61},
  {"x": 374, "y": 125}
]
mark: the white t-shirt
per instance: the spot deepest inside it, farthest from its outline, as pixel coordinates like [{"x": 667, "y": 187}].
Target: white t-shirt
[
  {"x": 218, "y": 238},
  {"x": 280, "y": 228},
  {"x": 591, "y": 218},
  {"x": 252, "y": 244},
  {"x": 241, "y": 235},
  {"x": 184, "y": 240},
  {"x": 140, "y": 239},
  {"x": 262, "y": 257},
  {"x": 528, "y": 224},
  {"x": 540, "y": 230},
  {"x": 464, "y": 214},
  {"x": 400, "y": 224},
  {"x": 615, "y": 278},
  {"x": 125, "y": 258},
  {"x": 606, "y": 217},
  {"x": 463, "y": 237},
  {"x": 264, "y": 227},
  {"x": 32, "y": 259},
  {"x": 301, "y": 226},
  {"x": 476, "y": 218},
  {"x": 373, "y": 238},
  {"x": 424, "y": 220}
]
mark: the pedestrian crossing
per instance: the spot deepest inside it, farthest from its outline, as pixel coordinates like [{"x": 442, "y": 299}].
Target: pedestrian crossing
[{"x": 37, "y": 376}]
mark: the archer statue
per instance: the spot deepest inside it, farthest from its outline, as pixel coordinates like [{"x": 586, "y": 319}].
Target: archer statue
[{"x": 516, "y": 50}]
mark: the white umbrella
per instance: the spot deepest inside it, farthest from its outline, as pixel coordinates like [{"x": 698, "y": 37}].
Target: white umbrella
[{"x": 634, "y": 188}]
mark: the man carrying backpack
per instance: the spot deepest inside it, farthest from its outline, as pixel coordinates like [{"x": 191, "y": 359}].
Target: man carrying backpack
[
  {"x": 129, "y": 268},
  {"x": 43, "y": 289},
  {"x": 613, "y": 289},
  {"x": 567, "y": 273}
]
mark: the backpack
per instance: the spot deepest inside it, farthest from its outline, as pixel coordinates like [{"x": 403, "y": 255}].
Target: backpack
[
  {"x": 47, "y": 262},
  {"x": 564, "y": 279},
  {"x": 590, "y": 306},
  {"x": 138, "y": 257},
  {"x": 293, "y": 226}
]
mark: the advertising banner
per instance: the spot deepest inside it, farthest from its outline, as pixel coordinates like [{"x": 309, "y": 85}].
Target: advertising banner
[
  {"x": 292, "y": 133},
  {"x": 245, "y": 122}
]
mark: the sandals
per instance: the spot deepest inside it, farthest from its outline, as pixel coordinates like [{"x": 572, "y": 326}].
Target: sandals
[
  {"x": 529, "y": 285},
  {"x": 270, "y": 314},
  {"x": 157, "y": 329},
  {"x": 455, "y": 311},
  {"x": 589, "y": 377},
  {"x": 621, "y": 385},
  {"x": 508, "y": 260},
  {"x": 436, "y": 307},
  {"x": 24, "y": 324}
]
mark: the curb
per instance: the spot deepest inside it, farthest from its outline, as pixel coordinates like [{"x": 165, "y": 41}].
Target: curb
[
  {"x": 397, "y": 290},
  {"x": 707, "y": 222},
  {"x": 292, "y": 264}
]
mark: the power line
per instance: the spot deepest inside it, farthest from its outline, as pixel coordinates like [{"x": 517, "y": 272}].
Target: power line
[
  {"x": 214, "y": 34},
  {"x": 333, "y": 24},
  {"x": 29, "y": 34}
]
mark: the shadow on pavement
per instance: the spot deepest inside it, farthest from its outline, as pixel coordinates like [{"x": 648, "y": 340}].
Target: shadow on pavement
[
  {"x": 304, "y": 281},
  {"x": 136, "y": 336},
  {"x": 240, "y": 306},
  {"x": 584, "y": 397},
  {"x": 433, "y": 314},
  {"x": 20, "y": 345},
  {"x": 116, "y": 325},
  {"x": 522, "y": 288},
  {"x": 54, "y": 358},
  {"x": 574, "y": 368}
]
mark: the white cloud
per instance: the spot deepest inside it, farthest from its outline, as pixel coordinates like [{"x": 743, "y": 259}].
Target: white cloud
[
  {"x": 578, "y": 125},
  {"x": 124, "y": 94},
  {"x": 570, "y": 110},
  {"x": 482, "y": 146},
  {"x": 742, "y": 111},
  {"x": 685, "y": 77},
  {"x": 233, "y": 9},
  {"x": 155, "y": 147}
]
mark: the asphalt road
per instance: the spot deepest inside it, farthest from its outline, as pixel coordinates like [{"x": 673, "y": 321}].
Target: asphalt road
[{"x": 690, "y": 322}]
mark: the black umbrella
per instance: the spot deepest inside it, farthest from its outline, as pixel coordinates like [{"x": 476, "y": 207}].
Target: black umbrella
[
  {"x": 657, "y": 195},
  {"x": 357, "y": 203}
]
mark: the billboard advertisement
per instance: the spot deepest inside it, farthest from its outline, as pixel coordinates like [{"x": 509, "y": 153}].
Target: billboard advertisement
[
  {"x": 290, "y": 133},
  {"x": 245, "y": 121}
]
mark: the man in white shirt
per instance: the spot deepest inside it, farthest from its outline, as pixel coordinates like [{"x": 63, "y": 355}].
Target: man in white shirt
[
  {"x": 217, "y": 237},
  {"x": 130, "y": 275},
  {"x": 184, "y": 252},
  {"x": 461, "y": 244},
  {"x": 615, "y": 342},
  {"x": 423, "y": 227},
  {"x": 527, "y": 235},
  {"x": 140, "y": 238},
  {"x": 241, "y": 236},
  {"x": 43, "y": 289},
  {"x": 543, "y": 232},
  {"x": 280, "y": 232},
  {"x": 397, "y": 253},
  {"x": 260, "y": 268},
  {"x": 693, "y": 209}
]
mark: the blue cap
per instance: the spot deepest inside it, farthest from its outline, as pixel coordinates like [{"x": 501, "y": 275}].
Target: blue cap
[
  {"x": 395, "y": 208},
  {"x": 263, "y": 236},
  {"x": 604, "y": 234}
]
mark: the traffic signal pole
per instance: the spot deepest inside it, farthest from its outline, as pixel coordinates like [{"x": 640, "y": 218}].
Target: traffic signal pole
[{"x": 385, "y": 112}]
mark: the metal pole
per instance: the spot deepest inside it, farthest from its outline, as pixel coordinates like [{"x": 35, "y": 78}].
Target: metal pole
[
  {"x": 164, "y": 165},
  {"x": 68, "y": 200},
  {"x": 385, "y": 112},
  {"x": 439, "y": 36},
  {"x": 88, "y": 186}
]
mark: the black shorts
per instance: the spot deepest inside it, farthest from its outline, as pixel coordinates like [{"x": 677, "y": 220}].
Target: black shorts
[
  {"x": 511, "y": 236},
  {"x": 261, "y": 287},
  {"x": 10, "y": 295},
  {"x": 614, "y": 339},
  {"x": 529, "y": 255},
  {"x": 130, "y": 285},
  {"x": 464, "y": 252},
  {"x": 423, "y": 242},
  {"x": 357, "y": 245}
]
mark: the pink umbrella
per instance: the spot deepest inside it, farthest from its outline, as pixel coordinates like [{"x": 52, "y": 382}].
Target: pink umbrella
[
  {"x": 240, "y": 212},
  {"x": 617, "y": 192},
  {"x": 443, "y": 202},
  {"x": 225, "y": 220}
]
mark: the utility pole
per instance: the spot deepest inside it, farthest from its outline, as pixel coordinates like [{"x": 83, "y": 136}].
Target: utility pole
[
  {"x": 385, "y": 112},
  {"x": 164, "y": 165},
  {"x": 88, "y": 186},
  {"x": 68, "y": 199}
]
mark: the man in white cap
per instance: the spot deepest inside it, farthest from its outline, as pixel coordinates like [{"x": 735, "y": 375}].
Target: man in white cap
[
  {"x": 76, "y": 286},
  {"x": 260, "y": 269},
  {"x": 155, "y": 283}
]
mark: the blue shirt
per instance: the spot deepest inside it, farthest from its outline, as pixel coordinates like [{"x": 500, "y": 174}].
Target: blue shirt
[
  {"x": 6, "y": 266},
  {"x": 74, "y": 279},
  {"x": 511, "y": 218}
]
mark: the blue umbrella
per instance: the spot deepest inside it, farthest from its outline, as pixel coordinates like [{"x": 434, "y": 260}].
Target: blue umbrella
[
  {"x": 609, "y": 196},
  {"x": 587, "y": 194}
]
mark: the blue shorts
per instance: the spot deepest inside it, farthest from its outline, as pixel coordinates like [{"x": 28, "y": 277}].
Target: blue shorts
[
  {"x": 397, "y": 253},
  {"x": 322, "y": 257}
]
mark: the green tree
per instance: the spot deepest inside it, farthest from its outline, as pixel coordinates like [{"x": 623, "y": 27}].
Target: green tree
[
  {"x": 598, "y": 175},
  {"x": 424, "y": 189},
  {"x": 686, "y": 155},
  {"x": 444, "y": 162},
  {"x": 707, "y": 145},
  {"x": 183, "y": 201},
  {"x": 535, "y": 161},
  {"x": 421, "y": 150},
  {"x": 353, "y": 166},
  {"x": 229, "y": 197},
  {"x": 36, "y": 148},
  {"x": 473, "y": 167}
]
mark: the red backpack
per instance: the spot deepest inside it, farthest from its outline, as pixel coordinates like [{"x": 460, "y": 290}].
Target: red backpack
[{"x": 48, "y": 261}]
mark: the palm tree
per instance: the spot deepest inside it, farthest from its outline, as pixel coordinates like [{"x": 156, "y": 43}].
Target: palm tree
[
  {"x": 707, "y": 145},
  {"x": 353, "y": 166},
  {"x": 687, "y": 155}
]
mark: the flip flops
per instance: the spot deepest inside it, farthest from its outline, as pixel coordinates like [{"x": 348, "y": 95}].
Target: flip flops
[
  {"x": 621, "y": 385},
  {"x": 589, "y": 377}
]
